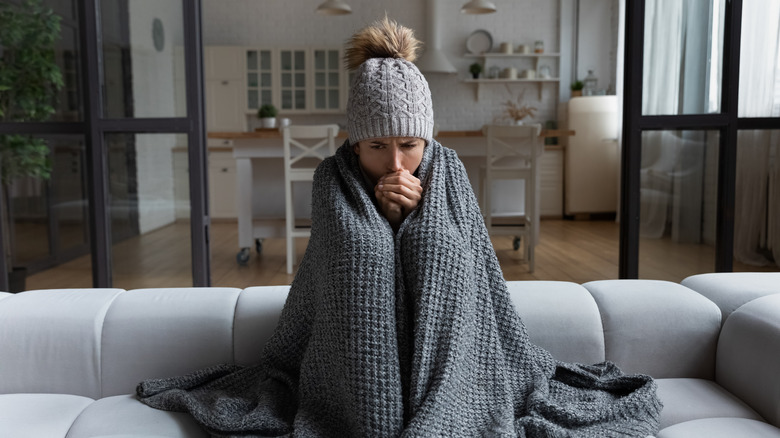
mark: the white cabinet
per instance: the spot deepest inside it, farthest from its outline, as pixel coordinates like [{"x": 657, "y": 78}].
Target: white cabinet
[
  {"x": 222, "y": 181},
  {"x": 551, "y": 183},
  {"x": 222, "y": 185},
  {"x": 224, "y": 84}
]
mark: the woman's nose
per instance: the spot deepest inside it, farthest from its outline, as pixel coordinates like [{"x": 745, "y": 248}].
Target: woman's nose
[{"x": 396, "y": 163}]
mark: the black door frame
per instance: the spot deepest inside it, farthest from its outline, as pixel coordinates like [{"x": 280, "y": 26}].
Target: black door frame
[
  {"x": 726, "y": 122},
  {"x": 94, "y": 127}
]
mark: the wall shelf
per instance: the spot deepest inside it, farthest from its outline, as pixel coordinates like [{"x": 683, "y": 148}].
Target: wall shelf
[
  {"x": 481, "y": 82},
  {"x": 494, "y": 56}
]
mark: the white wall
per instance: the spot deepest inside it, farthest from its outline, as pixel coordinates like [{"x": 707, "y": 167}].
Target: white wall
[
  {"x": 597, "y": 42},
  {"x": 154, "y": 96},
  {"x": 291, "y": 23}
]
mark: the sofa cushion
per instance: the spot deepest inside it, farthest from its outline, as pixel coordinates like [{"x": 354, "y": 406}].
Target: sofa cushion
[
  {"x": 749, "y": 356},
  {"x": 257, "y": 313},
  {"x": 720, "y": 428},
  {"x": 51, "y": 341},
  {"x": 730, "y": 290},
  {"x": 692, "y": 399},
  {"x": 39, "y": 415},
  {"x": 153, "y": 333},
  {"x": 125, "y": 415},
  {"x": 657, "y": 327},
  {"x": 560, "y": 317}
]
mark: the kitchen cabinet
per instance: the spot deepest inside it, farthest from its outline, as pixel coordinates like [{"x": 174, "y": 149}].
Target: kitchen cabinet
[
  {"x": 222, "y": 185},
  {"x": 239, "y": 80},
  {"x": 520, "y": 61},
  {"x": 222, "y": 181},
  {"x": 259, "y": 78},
  {"x": 224, "y": 68}
]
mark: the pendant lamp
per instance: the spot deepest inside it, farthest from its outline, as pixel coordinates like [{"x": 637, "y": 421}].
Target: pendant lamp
[
  {"x": 334, "y": 7},
  {"x": 478, "y": 7}
]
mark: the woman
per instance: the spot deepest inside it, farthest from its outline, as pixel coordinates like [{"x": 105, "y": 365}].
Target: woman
[{"x": 399, "y": 322}]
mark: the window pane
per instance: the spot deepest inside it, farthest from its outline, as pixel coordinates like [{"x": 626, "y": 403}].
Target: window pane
[
  {"x": 319, "y": 79},
  {"x": 265, "y": 97},
  {"x": 286, "y": 60},
  {"x": 287, "y": 99},
  {"x": 25, "y": 64},
  {"x": 333, "y": 99},
  {"x": 333, "y": 61},
  {"x": 251, "y": 60},
  {"x": 251, "y": 79},
  {"x": 265, "y": 80},
  {"x": 299, "y": 60},
  {"x": 678, "y": 200},
  {"x": 319, "y": 59},
  {"x": 150, "y": 210},
  {"x": 333, "y": 79},
  {"x": 759, "y": 59},
  {"x": 252, "y": 99},
  {"x": 265, "y": 59},
  {"x": 143, "y": 58},
  {"x": 319, "y": 99},
  {"x": 757, "y": 202},
  {"x": 300, "y": 80},
  {"x": 682, "y": 57},
  {"x": 50, "y": 223},
  {"x": 300, "y": 99},
  {"x": 286, "y": 80}
]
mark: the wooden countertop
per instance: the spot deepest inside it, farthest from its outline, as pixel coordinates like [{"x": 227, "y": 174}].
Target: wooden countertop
[{"x": 274, "y": 133}]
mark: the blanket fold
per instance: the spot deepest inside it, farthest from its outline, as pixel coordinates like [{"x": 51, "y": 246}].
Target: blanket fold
[{"x": 407, "y": 334}]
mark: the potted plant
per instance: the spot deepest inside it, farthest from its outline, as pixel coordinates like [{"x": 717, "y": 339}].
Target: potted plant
[
  {"x": 576, "y": 88},
  {"x": 267, "y": 115},
  {"x": 516, "y": 110},
  {"x": 475, "y": 69},
  {"x": 29, "y": 82}
]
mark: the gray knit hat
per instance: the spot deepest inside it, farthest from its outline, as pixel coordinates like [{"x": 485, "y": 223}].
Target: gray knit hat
[{"x": 389, "y": 97}]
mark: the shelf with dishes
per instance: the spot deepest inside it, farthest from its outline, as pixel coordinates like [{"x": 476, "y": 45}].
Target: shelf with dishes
[{"x": 534, "y": 71}]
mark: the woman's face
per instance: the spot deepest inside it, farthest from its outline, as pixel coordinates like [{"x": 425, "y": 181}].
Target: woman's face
[{"x": 381, "y": 156}]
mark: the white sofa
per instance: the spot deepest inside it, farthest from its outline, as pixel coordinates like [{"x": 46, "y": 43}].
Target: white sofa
[{"x": 70, "y": 359}]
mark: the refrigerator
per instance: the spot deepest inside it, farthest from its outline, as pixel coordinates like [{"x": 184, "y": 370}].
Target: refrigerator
[{"x": 592, "y": 164}]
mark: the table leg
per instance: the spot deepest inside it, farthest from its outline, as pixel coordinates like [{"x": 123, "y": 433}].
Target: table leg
[{"x": 244, "y": 207}]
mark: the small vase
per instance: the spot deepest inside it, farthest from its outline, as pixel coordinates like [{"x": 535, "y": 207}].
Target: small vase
[
  {"x": 518, "y": 122},
  {"x": 268, "y": 122}
]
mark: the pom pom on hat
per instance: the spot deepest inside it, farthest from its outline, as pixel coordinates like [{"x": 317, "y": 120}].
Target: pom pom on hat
[{"x": 389, "y": 97}]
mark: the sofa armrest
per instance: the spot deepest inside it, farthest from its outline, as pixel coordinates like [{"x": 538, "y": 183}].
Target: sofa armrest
[
  {"x": 748, "y": 356},
  {"x": 730, "y": 290}
]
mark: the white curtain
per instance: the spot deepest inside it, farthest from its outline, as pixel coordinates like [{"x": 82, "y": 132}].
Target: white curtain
[
  {"x": 671, "y": 176},
  {"x": 757, "y": 213}
]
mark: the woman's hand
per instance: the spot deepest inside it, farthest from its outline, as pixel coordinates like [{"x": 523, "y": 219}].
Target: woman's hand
[{"x": 398, "y": 194}]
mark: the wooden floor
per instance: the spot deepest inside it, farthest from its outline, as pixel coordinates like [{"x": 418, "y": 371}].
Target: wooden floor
[{"x": 577, "y": 251}]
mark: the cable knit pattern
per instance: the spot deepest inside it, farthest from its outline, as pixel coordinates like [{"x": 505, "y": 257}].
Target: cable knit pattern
[
  {"x": 410, "y": 335},
  {"x": 389, "y": 97}
]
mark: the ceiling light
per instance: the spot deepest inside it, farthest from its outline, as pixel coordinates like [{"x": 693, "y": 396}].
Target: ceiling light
[
  {"x": 334, "y": 7},
  {"x": 478, "y": 7}
]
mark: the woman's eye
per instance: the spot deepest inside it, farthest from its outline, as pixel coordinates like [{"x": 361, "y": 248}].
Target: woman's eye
[
  {"x": 409, "y": 145},
  {"x": 377, "y": 146}
]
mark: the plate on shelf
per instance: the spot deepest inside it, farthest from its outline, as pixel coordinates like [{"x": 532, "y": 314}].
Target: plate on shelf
[{"x": 479, "y": 42}]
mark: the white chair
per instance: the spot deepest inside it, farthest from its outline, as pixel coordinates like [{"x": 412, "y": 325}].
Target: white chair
[
  {"x": 513, "y": 153},
  {"x": 304, "y": 149}
]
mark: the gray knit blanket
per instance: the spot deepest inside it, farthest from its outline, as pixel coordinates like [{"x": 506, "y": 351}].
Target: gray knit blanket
[{"x": 408, "y": 334}]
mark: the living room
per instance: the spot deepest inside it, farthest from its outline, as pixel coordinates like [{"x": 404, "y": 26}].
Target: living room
[{"x": 678, "y": 200}]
